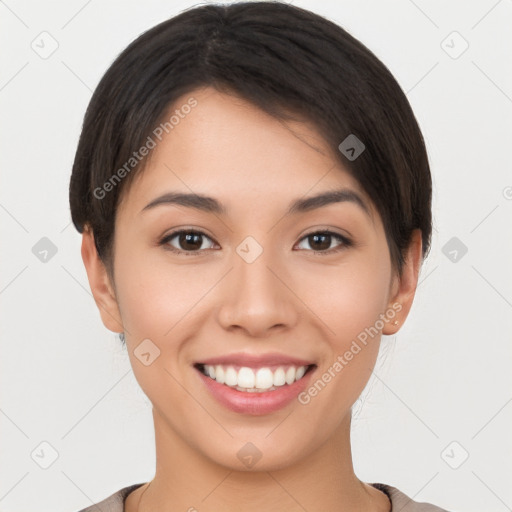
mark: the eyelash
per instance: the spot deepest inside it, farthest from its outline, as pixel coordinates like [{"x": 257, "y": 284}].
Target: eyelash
[{"x": 345, "y": 241}]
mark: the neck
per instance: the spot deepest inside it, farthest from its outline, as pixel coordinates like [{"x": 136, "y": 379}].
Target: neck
[{"x": 322, "y": 481}]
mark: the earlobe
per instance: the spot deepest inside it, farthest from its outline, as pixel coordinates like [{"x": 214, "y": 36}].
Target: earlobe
[
  {"x": 99, "y": 281},
  {"x": 404, "y": 287}
]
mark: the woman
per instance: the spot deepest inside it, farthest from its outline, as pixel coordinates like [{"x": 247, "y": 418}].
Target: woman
[{"x": 254, "y": 195}]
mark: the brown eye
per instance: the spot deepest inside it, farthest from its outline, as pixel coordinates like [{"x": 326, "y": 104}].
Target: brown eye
[
  {"x": 190, "y": 241},
  {"x": 320, "y": 241},
  {"x": 187, "y": 241}
]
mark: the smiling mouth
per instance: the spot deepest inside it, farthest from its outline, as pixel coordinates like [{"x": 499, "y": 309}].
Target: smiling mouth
[{"x": 255, "y": 380}]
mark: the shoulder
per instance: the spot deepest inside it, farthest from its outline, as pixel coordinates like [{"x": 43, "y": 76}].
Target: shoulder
[
  {"x": 401, "y": 502},
  {"x": 114, "y": 503}
]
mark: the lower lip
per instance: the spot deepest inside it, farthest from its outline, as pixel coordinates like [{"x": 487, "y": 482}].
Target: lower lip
[{"x": 255, "y": 403}]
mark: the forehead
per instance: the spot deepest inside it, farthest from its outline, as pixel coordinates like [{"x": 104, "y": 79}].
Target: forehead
[{"x": 227, "y": 148}]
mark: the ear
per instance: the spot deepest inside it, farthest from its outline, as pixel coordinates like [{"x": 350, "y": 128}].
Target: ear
[
  {"x": 403, "y": 288},
  {"x": 99, "y": 281}
]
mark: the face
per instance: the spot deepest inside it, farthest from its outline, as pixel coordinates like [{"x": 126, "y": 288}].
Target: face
[{"x": 249, "y": 292}]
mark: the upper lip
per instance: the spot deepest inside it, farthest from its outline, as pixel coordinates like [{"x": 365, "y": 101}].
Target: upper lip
[{"x": 255, "y": 361}]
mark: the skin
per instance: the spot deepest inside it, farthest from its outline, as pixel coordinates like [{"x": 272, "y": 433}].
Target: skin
[{"x": 211, "y": 302}]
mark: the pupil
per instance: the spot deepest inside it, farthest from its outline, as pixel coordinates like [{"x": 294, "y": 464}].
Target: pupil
[
  {"x": 188, "y": 238},
  {"x": 325, "y": 246}
]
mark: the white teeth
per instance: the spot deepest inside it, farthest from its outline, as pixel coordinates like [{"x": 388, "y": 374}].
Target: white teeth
[
  {"x": 247, "y": 379},
  {"x": 230, "y": 377},
  {"x": 300, "y": 372},
  {"x": 219, "y": 374},
  {"x": 279, "y": 377},
  {"x": 290, "y": 375},
  {"x": 264, "y": 378}
]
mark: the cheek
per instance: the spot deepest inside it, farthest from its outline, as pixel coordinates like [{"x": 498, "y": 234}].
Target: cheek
[
  {"x": 348, "y": 298},
  {"x": 161, "y": 303},
  {"x": 154, "y": 296},
  {"x": 350, "y": 304}
]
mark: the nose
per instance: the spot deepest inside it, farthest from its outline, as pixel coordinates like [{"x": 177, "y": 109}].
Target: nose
[{"x": 257, "y": 298}]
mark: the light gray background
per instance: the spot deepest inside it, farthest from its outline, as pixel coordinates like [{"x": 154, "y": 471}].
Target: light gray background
[{"x": 444, "y": 378}]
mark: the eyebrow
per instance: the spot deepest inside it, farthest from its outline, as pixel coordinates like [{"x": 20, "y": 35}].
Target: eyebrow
[{"x": 211, "y": 205}]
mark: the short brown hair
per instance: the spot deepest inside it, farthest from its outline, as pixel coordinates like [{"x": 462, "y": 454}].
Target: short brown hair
[{"x": 283, "y": 59}]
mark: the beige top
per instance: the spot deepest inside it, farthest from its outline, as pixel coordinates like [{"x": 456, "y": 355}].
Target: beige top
[{"x": 399, "y": 501}]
